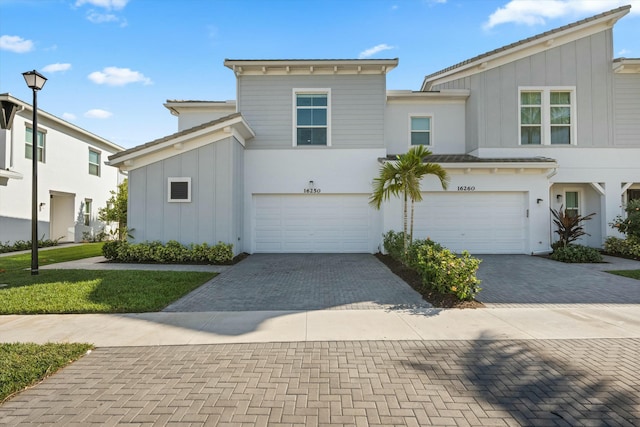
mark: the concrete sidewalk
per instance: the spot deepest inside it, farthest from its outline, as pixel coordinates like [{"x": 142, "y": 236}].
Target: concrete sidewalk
[{"x": 165, "y": 328}]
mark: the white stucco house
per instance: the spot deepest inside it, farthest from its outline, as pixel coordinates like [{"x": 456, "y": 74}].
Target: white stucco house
[
  {"x": 73, "y": 179},
  {"x": 288, "y": 167}
]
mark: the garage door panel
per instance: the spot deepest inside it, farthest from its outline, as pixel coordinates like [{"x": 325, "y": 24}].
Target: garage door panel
[
  {"x": 480, "y": 222},
  {"x": 313, "y": 223}
]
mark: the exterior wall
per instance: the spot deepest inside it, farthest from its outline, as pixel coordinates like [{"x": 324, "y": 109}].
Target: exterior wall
[
  {"x": 493, "y": 106},
  {"x": 65, "y": 171},
  {"x": 447, "y": 133},
  {"x": 188, "y": 119},
  {"x": 214, "y": 212},
  {"x": 289, "y": 172},
  {"x": 357, "y": 109},
  {"x": 627, "y": 109}
]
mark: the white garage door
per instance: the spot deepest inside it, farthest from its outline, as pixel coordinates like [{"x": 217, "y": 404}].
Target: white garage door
[
  {"x": 482, "y": 223},
  {"x": 314, "y": 223}
]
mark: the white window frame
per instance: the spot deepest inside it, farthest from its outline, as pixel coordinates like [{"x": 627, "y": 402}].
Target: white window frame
[
  {"x": 30, "y": 142},
  {"x": 579, "y": 192},
  {"x": 99, "y": 153},
  {"x": 301, "y": 91},
  {"x": 87, "y": 211},
  {"x": 545, "y": 137},
  {"x": 422, "y": 116},
  {"x": 171, "y": 180}
]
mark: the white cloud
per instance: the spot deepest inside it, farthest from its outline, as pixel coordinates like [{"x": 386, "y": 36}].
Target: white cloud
[
  {"x": 372, "y": 51},
  {"x": 114, "y": 76},
  {"x": 54, "y": 68},
  {"x": 537, "y": 12},
  {"x": 96, "y": 113},
  {"x": 624, "y": 52},
  {"x": 99, "y": 18},
  {"x": 106, "y": 4},
  {"x": 69, "y": 116},
  {"x": 15, "y": 44}
]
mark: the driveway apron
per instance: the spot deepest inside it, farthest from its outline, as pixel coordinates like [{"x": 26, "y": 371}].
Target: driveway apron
[
  {"x": 524, "y": 279},
  {"x": 303, "y": 282}
]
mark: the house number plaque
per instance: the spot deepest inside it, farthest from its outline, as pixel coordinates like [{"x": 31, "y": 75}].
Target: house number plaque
[
  {"x": 312, "y": 191},
  {"x": 466, "y": 188}
]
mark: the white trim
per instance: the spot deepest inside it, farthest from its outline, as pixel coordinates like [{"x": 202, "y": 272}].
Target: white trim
[
  {"x": 171, "y": 180},
  {"x": 545, "y": 114},
  {"x": 294, "y": 112},
  {"x": 430, "y": 116}
]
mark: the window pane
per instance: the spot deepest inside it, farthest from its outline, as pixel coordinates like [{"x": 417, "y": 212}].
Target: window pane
[
  {"x": 530, "y": 115},
  {"x": 560, "y": 115},
  {"x": 530, "y": 135},
  {"x": 560, "y": 98},
  {"x": 319, "y": 117},
  {"x": 560, "y": 135},
  {"x": 420, "y": 123},
  {"x": 303, "y": 100},
  {"x": 531, "y": 98},
  {"x": 94, "y": 169},
  {"x": 311, "y": 99},
  {"x": 420, "y": 138},
  {"x": 572, "y": 199},
  {"x": 304, "y": 117},
  {"x": 312, "y": 136},
  {"x": 94, "y": 157}
]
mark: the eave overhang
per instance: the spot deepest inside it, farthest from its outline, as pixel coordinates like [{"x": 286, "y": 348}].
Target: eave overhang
[
  {"x": 171, "y": 145},
  {"x": 469, "y": 162},
  {"x": 310, "y": 66},
  {"x": 626, "y": 65},
  {"x": 6, "y": 175},
  {"x": 527, "y": 47},
  {"x": 437, "y": 95},
  {"x": 176, "y": 106}
]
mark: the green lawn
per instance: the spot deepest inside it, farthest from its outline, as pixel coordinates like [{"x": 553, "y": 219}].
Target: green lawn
[
  {"x": 634, "y": 274},
  {"x": 87, "y": 291},
  {"x": 22, "y": 365},
  {"x": 51, "y": 256}
]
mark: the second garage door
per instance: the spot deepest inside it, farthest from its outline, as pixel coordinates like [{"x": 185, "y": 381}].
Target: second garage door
[
  {"x": 314, "y": 223},
  {"x": 480, "y": 222}
]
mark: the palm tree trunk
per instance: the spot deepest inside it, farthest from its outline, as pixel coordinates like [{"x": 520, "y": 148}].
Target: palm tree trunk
[
  {"x": 411, "y": 229},
  {"x": 405, "y": 223}
]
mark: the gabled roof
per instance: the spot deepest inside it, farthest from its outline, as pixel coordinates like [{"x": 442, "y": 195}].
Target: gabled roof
[
  {"x": 527, "y": 47},
  {"x": 227, "y": 125},
  {"x": 63, "y": 123},
  {"x": 310, "y": 66}
]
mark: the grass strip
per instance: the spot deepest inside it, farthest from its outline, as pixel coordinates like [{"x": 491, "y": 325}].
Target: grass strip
[
  {"x": 634, "y": 274},
  {"x": 23, "y": 365},
  {"x": 100, "y": 291},
  {"x": 50, "y": 256}
]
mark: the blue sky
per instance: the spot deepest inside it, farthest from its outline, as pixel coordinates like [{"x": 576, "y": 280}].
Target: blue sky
[{"x": 111, "y": 64}]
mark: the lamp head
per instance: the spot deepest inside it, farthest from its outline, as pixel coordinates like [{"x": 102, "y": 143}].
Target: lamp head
[{"x": 34, "y": 79}]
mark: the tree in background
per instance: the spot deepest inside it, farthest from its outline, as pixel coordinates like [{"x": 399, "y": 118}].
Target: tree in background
[{"x": 116, "y": 210}]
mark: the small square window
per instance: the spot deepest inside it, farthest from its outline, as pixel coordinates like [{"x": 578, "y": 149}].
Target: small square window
[
  {"x": 420, "y": 130},
  {"x": 179, "y": 190}
]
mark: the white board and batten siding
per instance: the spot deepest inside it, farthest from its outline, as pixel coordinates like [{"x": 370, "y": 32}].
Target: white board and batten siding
[
  {"x": 300, "y": 223},
  {"x": 479, "y": 222}
]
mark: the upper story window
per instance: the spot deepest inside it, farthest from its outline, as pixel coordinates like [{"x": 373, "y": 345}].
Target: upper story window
[
  {"x": 547, "y": 116},
  {"x": 420, "y": 131},
  {"x": 94, "y": 162},
  {"x": 28, "y": 144},
  {"x": 312, "y": 117}
]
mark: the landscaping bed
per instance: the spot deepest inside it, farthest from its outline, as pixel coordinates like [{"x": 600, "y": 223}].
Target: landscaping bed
[{"x": 413, "y": 279}]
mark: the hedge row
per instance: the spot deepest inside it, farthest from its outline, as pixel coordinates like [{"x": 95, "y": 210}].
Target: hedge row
[{"x": 171, "y": 253}]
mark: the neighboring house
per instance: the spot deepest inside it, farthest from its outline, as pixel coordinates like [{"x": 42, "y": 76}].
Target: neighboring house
[
  {"x": 73, "y": 180},
  {"x": 546, "y": 122}
]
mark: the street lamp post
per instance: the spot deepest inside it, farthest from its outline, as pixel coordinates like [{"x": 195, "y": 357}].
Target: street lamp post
[{"x": 35, "y": 81}]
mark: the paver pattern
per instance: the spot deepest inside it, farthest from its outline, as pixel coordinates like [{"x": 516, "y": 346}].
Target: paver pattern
[
  {"x": 481, "y": 382},
  {"x": 303, "y": 282},
  {"x": 521, "y": 280}
]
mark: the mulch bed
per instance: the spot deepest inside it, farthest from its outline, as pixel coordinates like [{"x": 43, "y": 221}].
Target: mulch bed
[{"x": 434, "y": 298}]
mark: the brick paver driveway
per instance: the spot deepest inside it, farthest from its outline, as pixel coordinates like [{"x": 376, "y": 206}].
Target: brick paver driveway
[
  {"x": 303, "y": 282},
  {"x": 524, "y": 279},
  {"x": 498, "y": 383}
]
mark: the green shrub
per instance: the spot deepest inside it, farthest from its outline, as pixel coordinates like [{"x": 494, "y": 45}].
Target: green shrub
[
  {"x": 417, "y": 247},
  {"x": 446, "y": 272},
  {"x": 393, "y": 244},
  {"x": 629, "y": 247},
  {"x": 576, "y": 253},
  {"x": 23, "y": 245},
  {"x": 171, "y": 253},
  {"x": 631, "y": 224}
]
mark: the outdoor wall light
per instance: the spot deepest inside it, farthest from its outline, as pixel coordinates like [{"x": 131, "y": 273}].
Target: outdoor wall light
[
  {"x": 559, "y": 198},
  {"x": 539, "y": 201},
  {"x": 35, "y": 81},
  {"x": 311, "y": 184}
]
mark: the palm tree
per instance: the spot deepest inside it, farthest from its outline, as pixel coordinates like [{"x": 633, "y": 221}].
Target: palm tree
[{"x": 403, "y": 177}]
